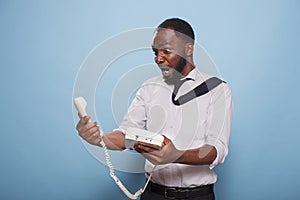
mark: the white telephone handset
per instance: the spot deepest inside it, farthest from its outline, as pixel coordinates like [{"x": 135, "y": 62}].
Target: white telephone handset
[
  {"x": 132, "y": 136},
  {"x": 80, "y": 105}
]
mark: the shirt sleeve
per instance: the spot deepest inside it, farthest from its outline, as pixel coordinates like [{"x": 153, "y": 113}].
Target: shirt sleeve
[
  {"x": 219, "y": 122},
  {"x": 136, "y": 114}
]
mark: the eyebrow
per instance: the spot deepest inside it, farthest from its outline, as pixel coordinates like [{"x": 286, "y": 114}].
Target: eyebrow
[{"x": 161, "y": 44}]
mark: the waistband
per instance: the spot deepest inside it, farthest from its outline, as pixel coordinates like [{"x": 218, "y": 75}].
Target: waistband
[{"x": 180, "y": 193}]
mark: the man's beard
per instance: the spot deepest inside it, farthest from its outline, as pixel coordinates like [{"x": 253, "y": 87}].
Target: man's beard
[{"x": 176, "y": 76}]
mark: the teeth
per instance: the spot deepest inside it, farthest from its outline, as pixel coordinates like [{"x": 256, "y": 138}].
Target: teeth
[{"x": 165, "y": 70}]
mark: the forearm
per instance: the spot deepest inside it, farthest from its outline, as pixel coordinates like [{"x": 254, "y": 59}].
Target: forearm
[
  {"x": 114, "y": 140},
  {"x": 201, "y": 156}
]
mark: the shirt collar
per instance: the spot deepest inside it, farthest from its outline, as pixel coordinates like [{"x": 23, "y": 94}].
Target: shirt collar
[{"x": 191, "y": 75}]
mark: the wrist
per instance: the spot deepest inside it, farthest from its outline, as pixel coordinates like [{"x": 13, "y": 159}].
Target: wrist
[{"x": 180, "y": 157}]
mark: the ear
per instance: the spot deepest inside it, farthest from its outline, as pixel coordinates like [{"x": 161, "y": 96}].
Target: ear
[{"x": 189, "y": 48}]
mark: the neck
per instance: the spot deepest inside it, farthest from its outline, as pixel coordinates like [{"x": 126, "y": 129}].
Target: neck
[{"x": 188, "y": 67}]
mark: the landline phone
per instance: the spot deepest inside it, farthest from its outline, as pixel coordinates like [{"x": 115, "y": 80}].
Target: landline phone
[
  {"x": 132, "y": 136},
  {"x": 144, "y": 137}
]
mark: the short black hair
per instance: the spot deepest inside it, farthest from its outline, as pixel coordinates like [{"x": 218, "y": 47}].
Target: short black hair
[{"x": 179, "y": 26}]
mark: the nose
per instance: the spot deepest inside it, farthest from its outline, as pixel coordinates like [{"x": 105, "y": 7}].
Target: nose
[{"x": 159, "y": 59}]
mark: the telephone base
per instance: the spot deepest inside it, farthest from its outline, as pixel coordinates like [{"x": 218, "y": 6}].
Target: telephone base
[{"x": 140, "y": 136}]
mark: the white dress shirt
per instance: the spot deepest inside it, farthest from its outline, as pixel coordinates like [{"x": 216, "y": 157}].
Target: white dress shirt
[{"x": 203, "y": 120}]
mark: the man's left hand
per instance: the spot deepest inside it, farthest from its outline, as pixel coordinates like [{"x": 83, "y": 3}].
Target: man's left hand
[{"x": 167, "y": 154}]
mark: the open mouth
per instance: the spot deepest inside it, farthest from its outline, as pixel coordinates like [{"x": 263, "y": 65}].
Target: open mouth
[{"x": 166, "y": 71}]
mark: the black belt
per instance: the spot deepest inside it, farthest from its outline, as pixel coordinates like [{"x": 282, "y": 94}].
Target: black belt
[{"x": 181, "y": 193}]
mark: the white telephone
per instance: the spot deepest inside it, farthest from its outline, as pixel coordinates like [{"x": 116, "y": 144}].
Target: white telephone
[
  {"x": 132, "y": 136},
  {"x": 144, "y": 137}
]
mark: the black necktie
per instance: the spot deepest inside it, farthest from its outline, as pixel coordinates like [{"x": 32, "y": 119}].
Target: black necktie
[{"x": 201, "y": 89}]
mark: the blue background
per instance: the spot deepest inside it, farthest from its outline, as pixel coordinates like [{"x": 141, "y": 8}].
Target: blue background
[{"x": 255, "y": 44}]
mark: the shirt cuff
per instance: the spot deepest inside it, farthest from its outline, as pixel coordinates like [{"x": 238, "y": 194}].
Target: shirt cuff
[
  {"x": 120, "y": 129},
  {"x": 221, "y": 153},
  {"x": 216, "y": 161}
]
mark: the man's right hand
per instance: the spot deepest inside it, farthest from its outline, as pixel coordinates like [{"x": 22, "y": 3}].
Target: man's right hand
[{"x": 89, "y": 131}]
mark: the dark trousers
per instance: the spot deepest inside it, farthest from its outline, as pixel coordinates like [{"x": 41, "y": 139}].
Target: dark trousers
[{"x": 151, "y": 195}]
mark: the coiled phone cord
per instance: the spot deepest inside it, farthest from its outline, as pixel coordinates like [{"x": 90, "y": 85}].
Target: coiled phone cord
[{"x": 116, "y": 179}]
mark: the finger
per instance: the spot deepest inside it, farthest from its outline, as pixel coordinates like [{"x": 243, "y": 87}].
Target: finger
[
  {"x": 85, "y": 130},
  {"x": 81, "y": 127},
  {"x": 82, "y": 122},
  {"x": 143, "y": 148},
  {"x": 94, "y": 135},
  {"x": 90, "y": 125},
  {"x": 94, "y": 138},
  {"x": 85, "y": 119},
  {"x": 137, "y": 148},
  {"x": 94, "y": 131},
  {"x": 88, "y": 129}
]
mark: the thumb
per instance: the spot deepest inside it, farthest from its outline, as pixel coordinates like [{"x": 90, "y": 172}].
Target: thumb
[
  {"x": 85, "y": 119},
  {"x": 166, "y": 140}
]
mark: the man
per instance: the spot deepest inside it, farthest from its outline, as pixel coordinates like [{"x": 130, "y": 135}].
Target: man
[{"x": 196, "y": 131}]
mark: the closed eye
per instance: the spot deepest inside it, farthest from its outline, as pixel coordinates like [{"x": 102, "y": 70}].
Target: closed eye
[
  {"x": 167, "y": 51},
  {"x": 164, "y": 51},
  {"x": 154, "y": 51}
]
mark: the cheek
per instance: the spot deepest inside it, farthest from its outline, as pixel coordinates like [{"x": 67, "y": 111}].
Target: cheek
[{"x": 173, "y": 59}]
